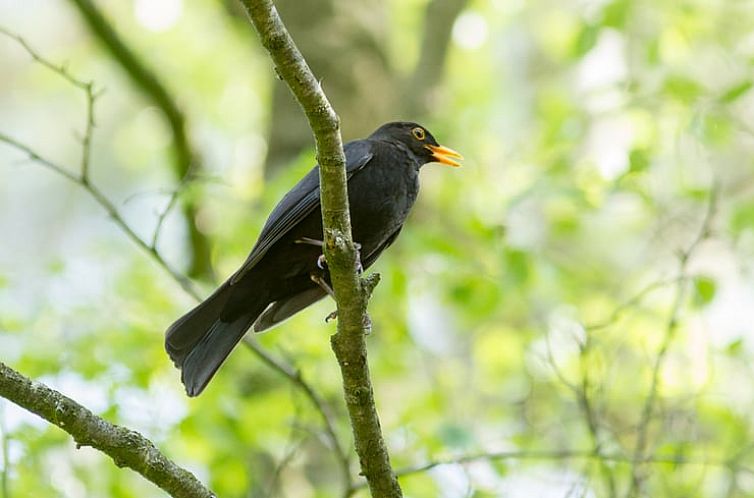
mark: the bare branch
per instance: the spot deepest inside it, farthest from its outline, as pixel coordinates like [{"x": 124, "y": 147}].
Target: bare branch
[
  {"x": 61, "y": 69},
  {"x": 671, "y": 327},
  {"x": 166, "y": 210},
  {"x": 567, "y": 454},
  {"x": 127, "y": 448},
  {"x": 352, "y": 295},
  {"x": 186, "y": 160},
  {"x": 631, "y": 303},
  {"x": 591, "y": 416},
  {"x": 581, "y": 393}
]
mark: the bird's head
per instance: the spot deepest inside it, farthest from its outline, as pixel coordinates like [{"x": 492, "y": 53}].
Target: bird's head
[{"x": 419, "y": 141}]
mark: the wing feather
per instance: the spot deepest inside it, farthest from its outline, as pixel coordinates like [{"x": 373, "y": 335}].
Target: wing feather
[{"x": 297, "y": 204}]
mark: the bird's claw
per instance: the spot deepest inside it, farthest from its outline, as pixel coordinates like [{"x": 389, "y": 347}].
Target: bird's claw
[
  {"x": 322, "y": 260},
  {"x": 366, "y": 321},
  {"x": 323, "y": 284},
  {"x": 359, "y": 267}
]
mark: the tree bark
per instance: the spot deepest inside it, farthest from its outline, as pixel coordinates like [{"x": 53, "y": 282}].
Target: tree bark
[
  {"x": 352, "y": 292},
  {"x": 127, "y": 448}
]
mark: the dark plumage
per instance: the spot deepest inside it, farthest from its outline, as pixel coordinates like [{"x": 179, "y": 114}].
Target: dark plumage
[{"x": 275, "y": 281}]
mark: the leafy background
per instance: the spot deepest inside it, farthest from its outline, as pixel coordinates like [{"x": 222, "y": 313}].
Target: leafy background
[{"x": 580, "y": 289}]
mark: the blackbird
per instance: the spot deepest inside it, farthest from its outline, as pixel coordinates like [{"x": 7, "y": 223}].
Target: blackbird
[{"x": 286, "y": 271}]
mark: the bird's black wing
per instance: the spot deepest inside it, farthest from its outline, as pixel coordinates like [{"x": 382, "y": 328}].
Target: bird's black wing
[{"x": 299, "y": 202}]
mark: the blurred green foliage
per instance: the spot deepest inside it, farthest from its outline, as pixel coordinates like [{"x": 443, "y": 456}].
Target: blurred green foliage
[{"x": 523, "y": 309}]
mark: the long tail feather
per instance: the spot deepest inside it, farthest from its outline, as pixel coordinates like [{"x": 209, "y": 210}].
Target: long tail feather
[{"x": 199, "y": 341}]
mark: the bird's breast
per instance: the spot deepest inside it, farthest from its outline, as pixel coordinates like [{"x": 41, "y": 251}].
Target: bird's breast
[{"x": 380, "y": 199}]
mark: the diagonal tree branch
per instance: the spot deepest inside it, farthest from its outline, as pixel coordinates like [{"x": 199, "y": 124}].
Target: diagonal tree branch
[
  {"x": 127, "y": 448},
  {"x": 352, "y": 292},
  {"x": 186, "y": 159}
]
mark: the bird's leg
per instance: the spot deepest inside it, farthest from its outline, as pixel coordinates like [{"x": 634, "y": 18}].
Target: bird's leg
[
  {"x": 322, "y": 265},
  {"x": 310, "y": 241},
  {"x": 321, "y": 282},
  {"x": 322, "y": 261},
  {"x": 326, "y": 287}
]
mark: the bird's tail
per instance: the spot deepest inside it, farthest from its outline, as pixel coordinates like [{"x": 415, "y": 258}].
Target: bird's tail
[{"x": 199, "y": 341}]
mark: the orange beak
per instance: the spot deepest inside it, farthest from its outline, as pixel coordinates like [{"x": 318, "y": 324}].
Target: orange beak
[{"x": 445, "y": 155}]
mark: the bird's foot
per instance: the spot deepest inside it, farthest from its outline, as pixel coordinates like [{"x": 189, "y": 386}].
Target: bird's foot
[
  {"x": 359, "y": 267},
  {"x": 323, "y": 284},
  {"x": 322, "y": 260},
  {"x": 366, "y": 321}
]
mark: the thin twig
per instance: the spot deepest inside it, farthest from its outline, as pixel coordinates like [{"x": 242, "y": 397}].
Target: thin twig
[
  {"x": 590, "y": 415},
  {"x": 670, "y": 331},
  {"x": 186, "y": 159},
  {"x": 107, "y": 205},
  {"x": 630, "y": 303},
  {"x": 166, "y": 210},
  {"x": 581, "y": 393},
  {"x": 61, "y": 69},
  {"x": 558, "y": 455},
  {"x": 292, "y": 447}
]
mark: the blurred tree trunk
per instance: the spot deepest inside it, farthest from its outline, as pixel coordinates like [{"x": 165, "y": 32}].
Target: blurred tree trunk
[
  {"x": 187, "y": 161},
  {"x": 344, "y": 43},
  {"x": 421, "y": 92}
]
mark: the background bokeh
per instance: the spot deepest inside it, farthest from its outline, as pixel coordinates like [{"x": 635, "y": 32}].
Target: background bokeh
[{"x": 574, "y": 306}]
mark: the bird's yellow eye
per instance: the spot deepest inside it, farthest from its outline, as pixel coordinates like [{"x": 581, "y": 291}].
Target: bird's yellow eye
[{"x": 418, "y": 133}]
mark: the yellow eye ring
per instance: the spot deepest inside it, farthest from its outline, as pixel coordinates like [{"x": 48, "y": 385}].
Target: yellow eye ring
[{"x": 418, "y": 133}]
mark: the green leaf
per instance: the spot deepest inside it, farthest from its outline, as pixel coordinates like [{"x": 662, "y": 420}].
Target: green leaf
[
  {"x": 736, "y": 91},
  {"x": 586, "y": 40},
  {"x": 614, "y": 14},
  {"x": 704, "y": 291},
  {"x": 735, "y": 348},
  {"x": 638, "y": 160},
  {"x": 742, "y": 218},
  {"x": 683, "y": 88}
]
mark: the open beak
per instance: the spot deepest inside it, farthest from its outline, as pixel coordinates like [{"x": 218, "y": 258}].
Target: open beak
[{"x": 445, "y": 155}]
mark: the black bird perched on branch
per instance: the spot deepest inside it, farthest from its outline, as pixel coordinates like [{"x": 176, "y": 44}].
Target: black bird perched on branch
[{"x": 286, "y": 271}]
